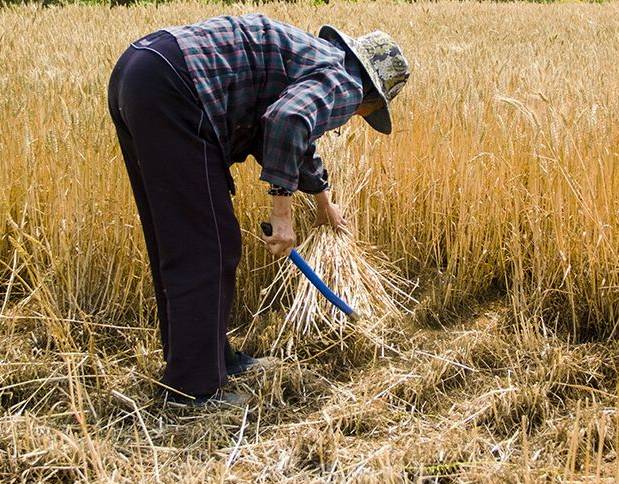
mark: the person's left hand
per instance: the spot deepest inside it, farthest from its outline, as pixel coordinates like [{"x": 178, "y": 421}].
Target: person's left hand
[{"x": 330, "y": 214}]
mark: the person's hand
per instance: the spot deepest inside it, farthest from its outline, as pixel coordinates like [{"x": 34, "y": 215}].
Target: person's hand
[
  {"x": 330, "y": 215},
  {"x": 283, "y": 238}
]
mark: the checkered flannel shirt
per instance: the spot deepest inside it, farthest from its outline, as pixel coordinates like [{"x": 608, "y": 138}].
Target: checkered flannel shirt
[{"x": 270, "y": 90}]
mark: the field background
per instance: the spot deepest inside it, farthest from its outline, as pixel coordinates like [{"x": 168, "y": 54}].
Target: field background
[{"x": 498, "y": 190}]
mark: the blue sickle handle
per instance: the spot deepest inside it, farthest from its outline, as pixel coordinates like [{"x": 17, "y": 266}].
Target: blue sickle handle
[{"x": 316, "y": 281}]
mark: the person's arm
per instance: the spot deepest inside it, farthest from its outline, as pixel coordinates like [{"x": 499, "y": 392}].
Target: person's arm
[
  {"x": 314, "y": 179},
  {"x": 313, "y": 176},
  {"x": 302, "y": 113},
  {"x": 322, "y": 100}
]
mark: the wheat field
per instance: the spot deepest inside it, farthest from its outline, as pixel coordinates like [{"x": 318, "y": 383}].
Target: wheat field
[{"x": 496, "y": 198}]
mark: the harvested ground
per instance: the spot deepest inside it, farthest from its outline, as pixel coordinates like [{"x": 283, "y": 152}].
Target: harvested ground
[{"x": 481, "y": 401}]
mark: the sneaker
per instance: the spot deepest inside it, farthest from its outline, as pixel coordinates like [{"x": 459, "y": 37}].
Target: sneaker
[
  {"x": 220, "y": 397},
  {"x": 239, "y": 363}
]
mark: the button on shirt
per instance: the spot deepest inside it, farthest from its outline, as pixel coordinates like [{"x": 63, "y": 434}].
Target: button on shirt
[{"x": 271, "y": 90}]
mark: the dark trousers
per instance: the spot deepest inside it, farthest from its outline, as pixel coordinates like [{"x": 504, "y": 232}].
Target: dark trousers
[{"x": 181, "y": 188}]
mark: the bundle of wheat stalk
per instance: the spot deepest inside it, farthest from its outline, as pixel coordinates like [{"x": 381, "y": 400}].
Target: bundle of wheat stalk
[{"x": 356, "y": 271}]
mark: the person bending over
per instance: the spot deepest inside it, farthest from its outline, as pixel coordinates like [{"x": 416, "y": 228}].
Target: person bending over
[{"x": 187, "y": 102}]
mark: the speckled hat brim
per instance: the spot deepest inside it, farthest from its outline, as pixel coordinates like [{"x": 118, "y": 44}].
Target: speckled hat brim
[{"x": 380, "y": 120}]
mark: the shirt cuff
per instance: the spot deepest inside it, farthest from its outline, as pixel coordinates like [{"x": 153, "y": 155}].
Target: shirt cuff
[
  {"x": 277, "y": 191},
  {"x": 315, "y": 190},
  {"x": 278, "y": 180},
  {"x": 312, "y": 183}
]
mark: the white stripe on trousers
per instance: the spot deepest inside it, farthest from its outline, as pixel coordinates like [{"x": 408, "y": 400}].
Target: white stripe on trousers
[{"x": 210, "y": 195}]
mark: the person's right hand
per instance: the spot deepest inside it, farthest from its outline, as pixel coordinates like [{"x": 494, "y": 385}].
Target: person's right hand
[
  {"x": 283, "y": 239},
  {"x": 330, "y": 214}
]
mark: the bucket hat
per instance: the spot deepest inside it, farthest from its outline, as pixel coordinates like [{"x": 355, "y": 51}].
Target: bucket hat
[{"x": 385, "y": 64}]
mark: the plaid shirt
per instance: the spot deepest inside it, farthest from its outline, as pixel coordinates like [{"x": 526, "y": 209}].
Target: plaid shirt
[{"x": 270, "y": 90}]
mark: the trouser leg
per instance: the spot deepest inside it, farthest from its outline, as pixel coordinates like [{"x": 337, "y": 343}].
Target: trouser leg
[
  {"x": 141, "y": 200},
  {"x": 196, "y": 243}
]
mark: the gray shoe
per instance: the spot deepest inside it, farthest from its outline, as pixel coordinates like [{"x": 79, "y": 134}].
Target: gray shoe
[
  {"x": 219, "y": 398},
  {"x": 238, "y": 363}
]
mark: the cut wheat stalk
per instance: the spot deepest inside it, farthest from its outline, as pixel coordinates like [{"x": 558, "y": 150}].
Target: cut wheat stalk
[{"x": 356, "y": 271}]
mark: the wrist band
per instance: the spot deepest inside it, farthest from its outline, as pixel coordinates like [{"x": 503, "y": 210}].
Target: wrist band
[{"x": 278, "y": 191}]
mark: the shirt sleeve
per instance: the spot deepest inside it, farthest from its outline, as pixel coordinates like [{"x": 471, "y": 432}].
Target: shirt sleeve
[
  {"x": 303, "y": 112},
  {"x": 313, "y": 176}
]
